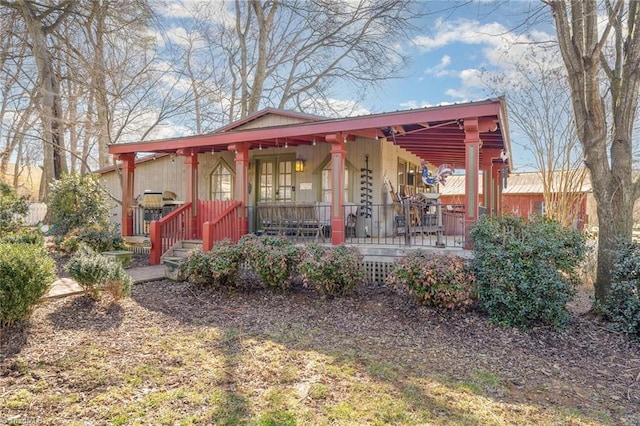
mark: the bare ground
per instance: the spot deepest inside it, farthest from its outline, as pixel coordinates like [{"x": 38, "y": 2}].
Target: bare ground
[{"x": 587, "y": 368}]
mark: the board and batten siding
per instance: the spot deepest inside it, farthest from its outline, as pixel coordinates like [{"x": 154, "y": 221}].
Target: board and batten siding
[
  {"x": 166, "y": 173},
  {"x": 270, "y": 121}
]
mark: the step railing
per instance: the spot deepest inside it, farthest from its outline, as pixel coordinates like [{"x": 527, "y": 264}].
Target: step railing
[
  {"x": 166, "y": 232},
  {"x": 219, "y": 222}
]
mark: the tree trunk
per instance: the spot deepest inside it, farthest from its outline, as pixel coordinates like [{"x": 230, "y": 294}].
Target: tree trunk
[
  {"x": 608, "y": 151},
  {"x": 50, "y": 102}
]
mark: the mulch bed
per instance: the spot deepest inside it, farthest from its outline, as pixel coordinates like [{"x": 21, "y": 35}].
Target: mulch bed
[{"x": 586, "y": 367}]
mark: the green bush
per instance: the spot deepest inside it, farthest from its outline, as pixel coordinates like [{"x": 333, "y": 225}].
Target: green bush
[
  {"x": 97, "y": 273},
  {"x": 13, "y": 208},
  {"x": 525, "y": 269},
  {"x": 99, "y": 237},
  {"x": 274, "y": 259},
  {"x": 24, "y": 235},
  {"x": 219, "y": 267},
  {"x": 78, "y": 201},
  {"x": 436, "y": 280},
  {"x": 26, "y": 272},
  {"x": 623, "y": 305},
  {"x": 334, "y": 271}
]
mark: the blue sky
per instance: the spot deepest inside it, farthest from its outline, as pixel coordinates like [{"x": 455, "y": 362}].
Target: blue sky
[{"x": 456, "y": 47}]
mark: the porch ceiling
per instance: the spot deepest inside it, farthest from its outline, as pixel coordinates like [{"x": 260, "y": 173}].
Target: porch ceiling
[{"x": 435, "y": 134}]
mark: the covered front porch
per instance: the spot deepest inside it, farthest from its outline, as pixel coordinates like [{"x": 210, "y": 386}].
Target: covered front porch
[{"x": 354, "y": 180}]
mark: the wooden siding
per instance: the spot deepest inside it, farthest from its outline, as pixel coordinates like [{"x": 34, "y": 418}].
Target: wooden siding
[
  {"x": 164, "y": 174},
  {"x": 271, "y": 120},
  {"x": 158, "y": 175}
]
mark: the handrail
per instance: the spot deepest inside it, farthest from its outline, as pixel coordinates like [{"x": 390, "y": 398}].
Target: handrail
[
  {"x": 164, "y": 233},
  {"x": 223, "y": 225}
]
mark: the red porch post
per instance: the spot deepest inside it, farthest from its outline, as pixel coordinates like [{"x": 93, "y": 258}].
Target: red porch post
[
  {"x": 472, "y": 160},
  {"x": 191, "y": 188},
  {"x": 128, "y": 178},
  {"x": 495, "y": 183},
  {"x": 486, "y": 186},
  {"x": 338, "y": 156},
  {"x": 242, "y": 178},
  {"x": 489, "y": 180}
]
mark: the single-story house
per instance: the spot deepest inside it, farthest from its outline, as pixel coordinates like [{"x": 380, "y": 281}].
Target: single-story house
[{"x": 332, "y": 179}]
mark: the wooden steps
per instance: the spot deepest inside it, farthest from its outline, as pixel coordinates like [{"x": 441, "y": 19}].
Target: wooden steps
[{"x": 174, "y": 257}]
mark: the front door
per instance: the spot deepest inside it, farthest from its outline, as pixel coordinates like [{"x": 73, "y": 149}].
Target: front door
[{"x": 275, "y": 179}]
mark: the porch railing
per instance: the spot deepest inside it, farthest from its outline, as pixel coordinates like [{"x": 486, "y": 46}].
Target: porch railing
[
  {"x": 219, "y": 221},
  {"x": 416, "y": 225},
  {"x": 166, "y": 232}
]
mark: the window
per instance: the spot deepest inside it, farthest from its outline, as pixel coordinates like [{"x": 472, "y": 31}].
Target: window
[
  {"x": 540, "y": 208},
  {"x": 325, "y": 184},
  {"x": 276, "y": 179},
  {"x": 402, "y": 176},
  {"x": 412, "y": 176},
  {"x": 221, "y": 182}
]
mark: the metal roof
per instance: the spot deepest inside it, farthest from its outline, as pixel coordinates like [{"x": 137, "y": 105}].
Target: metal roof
[
  {"x": 526, "y": 183},
  {"x": 435, "y": 134}
]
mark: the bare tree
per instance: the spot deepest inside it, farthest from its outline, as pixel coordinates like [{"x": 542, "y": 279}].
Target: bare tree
[
  {"x": 41, "y": 21},
  {"x": 203, "y": 68},
  {"x": 301, "y": 53},
  {"x": 540, "y": 109},
  {"x": 602, "y": 59},
  {"x": 17, "y": 106}
]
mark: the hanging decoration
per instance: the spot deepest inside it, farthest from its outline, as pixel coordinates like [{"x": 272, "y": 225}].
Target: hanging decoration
[
  {"x": 440, "y": 177},
  {"x": 366, "y": 176}
]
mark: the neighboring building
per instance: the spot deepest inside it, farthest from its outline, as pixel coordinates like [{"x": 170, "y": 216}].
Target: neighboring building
[{"x": 524, "y": 196}]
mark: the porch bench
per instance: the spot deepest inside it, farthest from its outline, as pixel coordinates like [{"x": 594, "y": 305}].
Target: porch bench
[{"x": 290, "y": 219}]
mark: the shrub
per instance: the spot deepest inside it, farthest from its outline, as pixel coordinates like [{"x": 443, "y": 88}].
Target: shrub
[
  {"x": 436, "y": 280},
  {"x": 334, "y": 271},
  {"x": 26, "y": 272},
  {"x": 99, "y": 237},
  {"x": 25, "y": 235},
  {"x": 525, "y": 269},
  {"x": 274, "y": 259},
  {"x": 78, "y": 201},
  {"x": 219, "y": 267},
  {"x": 96, "y": 273},
  {"x": 12, "y": 208},
  {"x": 623, "y": 305}
]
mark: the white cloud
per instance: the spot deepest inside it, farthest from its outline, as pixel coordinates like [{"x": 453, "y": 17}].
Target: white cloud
[
  {"x": 440, "y": 70},
  {"x": 497, "y": 43},
  {"x": 347, "y": 108},
  {"x": 462, "y": 31},
  {"x": 332, "y": 107},
  {"x": 410, "y": 104},
  {"x": 491, "y": 46},
  {"x": 216, "y": 11}
]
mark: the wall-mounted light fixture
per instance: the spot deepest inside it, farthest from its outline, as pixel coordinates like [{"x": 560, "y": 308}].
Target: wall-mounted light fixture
[{"x": 300, "y": 164}]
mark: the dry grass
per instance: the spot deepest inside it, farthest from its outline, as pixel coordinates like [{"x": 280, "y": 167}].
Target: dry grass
[{"x": 176, "y": 355}]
